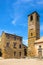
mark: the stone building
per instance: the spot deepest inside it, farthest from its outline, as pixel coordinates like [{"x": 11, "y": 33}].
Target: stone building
[
  {"x": 33, "y": 32},
  {"x": 11, "y": 46},
  {"x": 39, "y": 47}
]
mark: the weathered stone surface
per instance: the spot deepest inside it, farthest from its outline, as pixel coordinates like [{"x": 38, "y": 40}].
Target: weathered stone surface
[{"x": 10, "y": 46}]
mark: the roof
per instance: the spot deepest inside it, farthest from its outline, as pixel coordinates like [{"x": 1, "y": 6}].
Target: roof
[
  {"x": 24, "y": 45},
  {"x": 39, "y": 40},
  {"x": 12, "y": 34},
  {"x": 33, "y": 13}
]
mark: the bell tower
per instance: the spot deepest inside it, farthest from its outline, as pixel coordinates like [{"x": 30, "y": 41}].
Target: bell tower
[{"x": 33, "y": 31}]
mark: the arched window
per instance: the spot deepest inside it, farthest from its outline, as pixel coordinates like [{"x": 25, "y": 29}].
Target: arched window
[
  {"x": 20, "y": 46},
  {"x": 31, "y": 18},
  {"x": 31, "y": 34}
]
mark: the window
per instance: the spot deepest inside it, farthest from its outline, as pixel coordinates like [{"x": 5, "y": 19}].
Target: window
[
  {"x": 14, "y": 45},
  {"x": 19, "y": 53},
  {"x": 20, "y": 46},
  {"x": 31, "y": 34},
  {"x": 8, "y": 36},
  {"x": 14, "y": 37},
  {"x": 40, "y": 46},
  {"x": 31, "y": 18},
  {"x": 14, "y": 53},
  {"x": 7, "y": 45},
  {"x": 37, "y": 18},
  {"x": 17, "y": 38}
]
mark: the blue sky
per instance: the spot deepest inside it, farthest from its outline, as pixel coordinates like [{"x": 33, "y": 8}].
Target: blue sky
[{"x": 13, "y": 16}]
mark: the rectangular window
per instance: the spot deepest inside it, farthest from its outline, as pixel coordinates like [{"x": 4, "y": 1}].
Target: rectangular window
[
  {"x": 31, "y": 18},
  {"x": 31, "y": 34},
  {"x": 7, "y": 45},
  {"x": 14, "y": 37},
  {"x": 20, "y": 46},
  {"x": 14, "y": 53},
  {"x": 14, "y": 45},
  {"x": 8, "y": 36}
]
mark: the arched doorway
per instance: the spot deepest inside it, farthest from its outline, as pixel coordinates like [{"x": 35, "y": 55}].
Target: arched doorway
[{"x": 0, "y": 53}]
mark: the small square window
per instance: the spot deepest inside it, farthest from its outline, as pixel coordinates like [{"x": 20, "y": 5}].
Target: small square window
[{"x": 39, "y": 46}]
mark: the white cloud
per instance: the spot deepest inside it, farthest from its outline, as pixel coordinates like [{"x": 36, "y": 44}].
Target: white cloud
[
  {"x": 25, "y": 41},
  {"x": 14, "y": 22}
]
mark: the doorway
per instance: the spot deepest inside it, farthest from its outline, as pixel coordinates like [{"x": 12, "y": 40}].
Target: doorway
[{"x": 0, "y": 53}]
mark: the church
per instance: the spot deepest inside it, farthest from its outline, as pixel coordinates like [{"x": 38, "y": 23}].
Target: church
[{"x": 35, "y": 43}]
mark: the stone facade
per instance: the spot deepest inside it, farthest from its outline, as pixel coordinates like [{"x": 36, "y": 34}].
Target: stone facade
[
  {"x": 33, "y": 32},
  {"x": 11, "y": 46}
]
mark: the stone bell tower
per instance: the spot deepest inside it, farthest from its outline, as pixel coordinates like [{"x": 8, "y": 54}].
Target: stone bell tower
[{"x": 33, "y": 32}]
